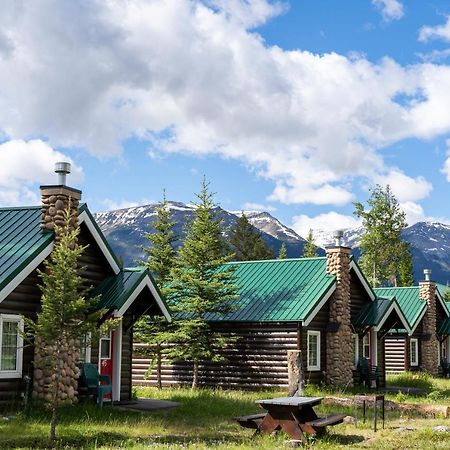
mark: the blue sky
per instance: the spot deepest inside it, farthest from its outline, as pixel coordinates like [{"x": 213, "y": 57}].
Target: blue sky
[{"x": 293, "y": 107}]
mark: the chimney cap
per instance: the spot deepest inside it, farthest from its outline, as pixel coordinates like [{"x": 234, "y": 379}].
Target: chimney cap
[
  {"x": 62, "y": 167},
  {"x": 427, "y": 273},
  {"x": 338, "y": 234}
]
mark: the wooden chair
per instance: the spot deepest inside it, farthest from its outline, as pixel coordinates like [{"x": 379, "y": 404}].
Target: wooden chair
[
  {"x": 92, "y": 381},
  {"x": 368, "y": 373}
]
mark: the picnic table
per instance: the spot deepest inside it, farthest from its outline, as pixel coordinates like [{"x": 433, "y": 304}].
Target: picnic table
[{"x": 293, "y": 415}]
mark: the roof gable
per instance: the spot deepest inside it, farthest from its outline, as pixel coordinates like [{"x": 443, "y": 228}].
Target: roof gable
[{"x": 287, "y": 290}]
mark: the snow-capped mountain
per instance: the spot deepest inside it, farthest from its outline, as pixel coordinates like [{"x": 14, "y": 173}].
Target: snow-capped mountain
[{"x": 125, "y": 228}]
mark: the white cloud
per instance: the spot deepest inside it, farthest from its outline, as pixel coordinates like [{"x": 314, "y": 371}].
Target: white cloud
[
  {"x": 24, "y": 164},
  {"x": 446, "y": 168},
  {"x": 390, "y": 9},
  {"x": 194, "y": 77},
  {"x": 327, "y": 222},
  {"x": 404, "y": 187},
  {"x": 427, "y": 33},
  {"x": 250, "y": 206}
]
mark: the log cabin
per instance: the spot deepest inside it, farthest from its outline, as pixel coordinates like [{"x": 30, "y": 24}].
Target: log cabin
[
  {"x": 427, "y": 341},
  {"x": 322, "y": 306},
  {"x": 27, "y": 238}
]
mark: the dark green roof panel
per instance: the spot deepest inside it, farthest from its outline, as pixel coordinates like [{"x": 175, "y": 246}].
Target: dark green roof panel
[
  {"x": 21, "y": 240},
  {"x": 408, "y": 299},
  {"x": 444, "y": 329},
  {"x": 278, "y": 290},
  {"x": 373, "y": 313},
  {"x": 442, "y": 288}
]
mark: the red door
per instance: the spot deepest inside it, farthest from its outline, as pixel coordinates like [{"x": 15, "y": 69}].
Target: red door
[{"x": 105, "y": 360}]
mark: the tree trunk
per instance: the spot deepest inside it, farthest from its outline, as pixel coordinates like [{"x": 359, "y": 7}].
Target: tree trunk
[
  {"x": 195, "y": 375},
  {"x": 158, "y": 366},
  {"x": 53, "y": 425}
]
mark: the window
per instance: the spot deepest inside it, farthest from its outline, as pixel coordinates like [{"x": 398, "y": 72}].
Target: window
[
  {"x": 313, "y": 343},
  {"x": 414, "y": 352},
  {"x": 366, "y": 346},
  {"x": 85, "y": 349},
  {"x": 105, "y": 346},
  {"x": 11, "y": 346},
  {"x": 355, "y": 350}
]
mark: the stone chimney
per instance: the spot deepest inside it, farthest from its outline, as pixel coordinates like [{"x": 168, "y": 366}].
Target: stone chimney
[
  {"x": 57, "y": 198},
  {"x": 429, "y": 341},
  {"x": 339, "y": 342}
]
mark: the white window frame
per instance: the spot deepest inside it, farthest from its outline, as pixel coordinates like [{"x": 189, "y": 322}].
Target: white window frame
[
  {"x": 87, "y": 348},
  {"x": 366, "y": 344},
  {"x": 355, "y": 338},
  {"x": 317, "y": 334},
  {"x": 416, "y": 353},
  {"x": 17, "y": 373}
]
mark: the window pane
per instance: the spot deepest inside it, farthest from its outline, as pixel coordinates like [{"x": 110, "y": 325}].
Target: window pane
[
  {"x": 104, "y": 348},
  {"x": 9, "y": 345},
  {"x": 313, "y": 350}
]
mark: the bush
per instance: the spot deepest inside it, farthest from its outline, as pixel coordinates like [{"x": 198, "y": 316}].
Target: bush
[{"x": 418, "y": 380}]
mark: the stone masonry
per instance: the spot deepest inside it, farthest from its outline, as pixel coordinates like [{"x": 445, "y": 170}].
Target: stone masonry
[
  {"x": 429, "y": 341},
  {"x": 339, "y": 345},
  {"x": 51, "y": 368}
]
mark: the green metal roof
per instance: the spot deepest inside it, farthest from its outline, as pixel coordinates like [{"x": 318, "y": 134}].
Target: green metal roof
[
  {"x": 444, "y": 329},
  {"x": 408, "y": 299},
  {"x": 374, "y": 313},
  {"x": 21, "y": 240},
  {"x": 279, "y": 290},
  {"x": 442, "y": 288}
]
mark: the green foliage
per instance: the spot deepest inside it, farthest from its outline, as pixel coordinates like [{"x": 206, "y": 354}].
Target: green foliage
[
  {"x": 283, "y": 251},
  {"x": 419, "y": 380},
  {"x": 386, "y": 259},
  {"x": 67, "y": 313},
  {"x": 447, "y": 295},
  {"x": 156, "y": 331},
  {"x": 310, "y": 249},
  {"x": 247, "y": 242},
  {"x": 201, "y": 286}
]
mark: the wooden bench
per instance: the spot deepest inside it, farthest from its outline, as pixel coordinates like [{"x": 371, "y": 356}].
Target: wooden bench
[
  {"x": 319, "y": 425},
  {"x": 253, "y": 421}
]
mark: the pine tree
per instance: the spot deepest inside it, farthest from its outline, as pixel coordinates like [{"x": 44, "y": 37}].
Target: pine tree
[
  {"x": 385, "y": 259},
  {"x": 155, "y": 331},
  {"x": 310, "y": 249},
  {"x": 67, "y": 315},
  {"x": 283, "y": 251},
  {"x": 202, "y": 287},
  {"x": 247, "y": 242}
]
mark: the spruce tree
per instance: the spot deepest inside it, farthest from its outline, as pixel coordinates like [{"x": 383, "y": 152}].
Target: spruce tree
[
  {"x": 247, "y": 242},
  {"x": 68, "y": 315},
  {"x": 155, "y": 331},
  {"x": 202, "y": 287},
  {"x": 310, "y": 249},
  {"x": 283, "y": 251},
  {"x": 385, "y": 259}
]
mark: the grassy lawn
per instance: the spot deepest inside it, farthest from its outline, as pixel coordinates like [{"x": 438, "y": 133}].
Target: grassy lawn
[{"x": 204, "y": 421}]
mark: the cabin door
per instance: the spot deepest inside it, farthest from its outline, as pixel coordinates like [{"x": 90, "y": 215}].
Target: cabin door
[{"x": 105, "y": 360}]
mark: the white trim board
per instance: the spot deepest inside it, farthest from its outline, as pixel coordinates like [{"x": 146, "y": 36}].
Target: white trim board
[
  {"x": 26, "y": 271},
  {"x": 84, "y": 218},
  {"x": 319, "y": 305},
  {"x": 361, "y": 278},
  {"x": 419, "y": 319},
  {"x": 146, "y": 282},
  {"x": 439, "y": 296},
  {"x": 394, "y": 307},
  {"x": 117, "y": 363}
]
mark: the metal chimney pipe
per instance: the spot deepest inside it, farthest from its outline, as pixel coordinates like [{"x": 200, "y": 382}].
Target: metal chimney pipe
[
  {"x": 338, "y": 236},
  {"x": 62, "y": 169},
  {"x": 427, "y": 273}
]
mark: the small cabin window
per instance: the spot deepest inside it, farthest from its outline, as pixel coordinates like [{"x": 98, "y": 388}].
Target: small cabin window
[
  {"x": 414, "y": 352},
  {"x": 355, "y": 350},
  {"x": 11, "y": 346},
  {"x": 366, "y": 346},
  {"x": 313, "y": 343},
  {"x": 85, "y": 349}
]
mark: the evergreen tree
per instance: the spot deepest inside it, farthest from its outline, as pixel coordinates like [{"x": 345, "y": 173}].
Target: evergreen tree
[
  {"x": 385, "y": 259},
  {"x": 67, "y": 315},
  {"x": 283, "y": 251},
  {"x": 155, "y": 331},
  {"x": 247, "y": 242},
  {"x": 310, "y": 249},
  {"x": 202, "y": 287}
]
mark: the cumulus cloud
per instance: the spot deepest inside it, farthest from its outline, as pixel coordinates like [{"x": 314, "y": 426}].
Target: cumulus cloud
[
  {"x": 404, "y": 187},
  {"x": 446, "y": 168},
  {"x": 390, "y": 9},
  {"x": 25, "y": 163},
  {"x": 250, "y": 206},
  {"x": 195, "y": 77},
  {"x": 427, "y": 33},
  {"x": 330, "y": 221}
]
